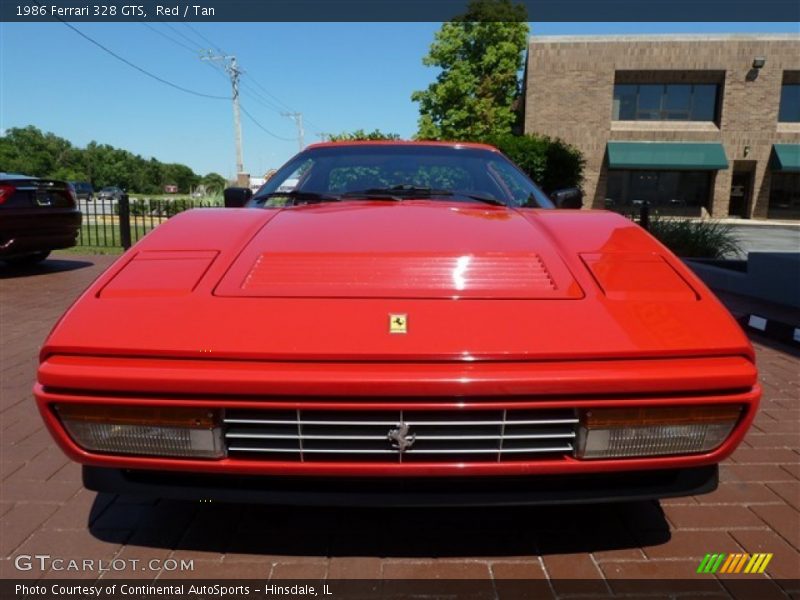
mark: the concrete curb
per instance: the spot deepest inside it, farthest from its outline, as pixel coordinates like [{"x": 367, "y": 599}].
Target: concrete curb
[
  {"x": 772, "y": 277},
  {"x": 771, "y": 328}
]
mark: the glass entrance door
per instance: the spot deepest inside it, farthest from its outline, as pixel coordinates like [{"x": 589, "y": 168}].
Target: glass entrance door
[{"x": 741, "y": 191}]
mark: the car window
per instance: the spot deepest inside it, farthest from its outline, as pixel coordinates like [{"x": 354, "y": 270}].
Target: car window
[
  {"x": 334, "y": 170},
  {"x": 355, "y": 178},
  {"x": 514, "y": 183}
]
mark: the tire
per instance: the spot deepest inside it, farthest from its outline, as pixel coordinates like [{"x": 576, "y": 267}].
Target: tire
[{"x": 27, "y": 259}]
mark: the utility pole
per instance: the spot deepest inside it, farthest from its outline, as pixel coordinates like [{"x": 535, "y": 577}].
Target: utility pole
[
  {"x": 234, "y": 72},
  {"x": 297, "y": 117}
]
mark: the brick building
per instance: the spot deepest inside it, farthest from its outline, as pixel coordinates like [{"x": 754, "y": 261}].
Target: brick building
[{"x": 702, "y": 124}]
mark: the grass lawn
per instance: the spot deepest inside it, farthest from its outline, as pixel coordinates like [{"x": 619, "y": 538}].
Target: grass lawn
[
  {"x": 100, "y": 229},
  {"x": 101, "y": 234},
  {"x": 93, "y": 250}
]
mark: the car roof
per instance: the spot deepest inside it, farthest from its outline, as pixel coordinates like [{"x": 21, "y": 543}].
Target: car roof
[
  {"x": 403, "y": 143},
  {"x": 15, "y": 176}
]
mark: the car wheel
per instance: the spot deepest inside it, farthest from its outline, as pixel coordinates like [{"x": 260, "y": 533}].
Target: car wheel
[{"x": 27, "y": 259}]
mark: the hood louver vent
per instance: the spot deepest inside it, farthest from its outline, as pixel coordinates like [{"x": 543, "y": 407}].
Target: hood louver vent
[{"x": 393, "y": 275}]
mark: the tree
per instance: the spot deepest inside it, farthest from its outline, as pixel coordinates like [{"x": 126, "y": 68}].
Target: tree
[
  {"x": 361, "y": 135},
  {"x": 480, "y": 55},
  {"x": 214, "y": 183},
  {"x": 29, "y": 151},
  {"x": 180, "y": 175},
  {"x": 551, "y": 163}
]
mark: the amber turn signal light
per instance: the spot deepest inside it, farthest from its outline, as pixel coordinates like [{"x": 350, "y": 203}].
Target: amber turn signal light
[
  {"x": 654, "y": 431},
  {"x": 148, "y": 430}
]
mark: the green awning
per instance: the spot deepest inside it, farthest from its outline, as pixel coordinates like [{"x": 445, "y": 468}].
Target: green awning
[
  {"x": 786, "y": 157},
  {"x": 695, "y": 156}
]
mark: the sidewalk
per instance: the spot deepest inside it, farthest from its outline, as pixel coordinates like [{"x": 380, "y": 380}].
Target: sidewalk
[
  {"x": 45, "y": 510},
  {"x": 761, "y": 222}
]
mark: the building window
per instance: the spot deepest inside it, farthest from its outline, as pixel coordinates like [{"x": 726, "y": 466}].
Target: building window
[
  {"x": 665, "y": 102},
  {"x": 667, "y": 192},
  {"x": 784, "y": 196},
  {"x": 790, "y": 103}
]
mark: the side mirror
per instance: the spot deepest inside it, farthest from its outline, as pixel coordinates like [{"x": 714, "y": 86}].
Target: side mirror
[
  {"x": 237, "y": 197},
  {"x": 567, "y": 198}
]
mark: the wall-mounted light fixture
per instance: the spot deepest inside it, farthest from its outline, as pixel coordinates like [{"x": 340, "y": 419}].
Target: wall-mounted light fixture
[
  {"x": 759, "y": 62},
  {"x": 746, "y": 151}
]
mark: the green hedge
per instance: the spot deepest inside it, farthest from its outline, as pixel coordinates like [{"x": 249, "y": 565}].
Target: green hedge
[{"x": 551, "y": 163}]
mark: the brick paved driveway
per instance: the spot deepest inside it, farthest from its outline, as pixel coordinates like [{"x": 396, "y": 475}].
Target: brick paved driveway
[{"x": 43, "y": 508}]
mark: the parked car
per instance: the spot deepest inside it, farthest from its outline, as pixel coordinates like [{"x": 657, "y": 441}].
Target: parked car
[
  {"x": 36, "y": 216},
  {"x": 83, "y": 190},
  {"x": 408, "y": 324},
  {"x": 111, "y": 192}
]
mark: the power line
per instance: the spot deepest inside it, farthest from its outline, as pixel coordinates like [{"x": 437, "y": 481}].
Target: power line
[
  {"x": 310, "y": 122},
  {"x": 264, "y": 129},
  {"x": 217, "y": 69},
  {"x": 268, "y": 93},
  {"x": 205, "y": 39},
  {"x": 262, "y": 99},
  {"x": 171, "y": 39},
  {"x": 281, "y": 104},
  {"x": 187, "y": 38},
  {"x": 276, "y": 104},
  {"x": 140, "y": 69}
]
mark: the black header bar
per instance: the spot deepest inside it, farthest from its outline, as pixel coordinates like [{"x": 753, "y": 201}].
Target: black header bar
[{"x": 199, "y": 11}]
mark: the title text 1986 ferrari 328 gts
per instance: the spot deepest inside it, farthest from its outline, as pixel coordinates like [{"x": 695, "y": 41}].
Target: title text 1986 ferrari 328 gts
[{"x": 400, "y": 323}]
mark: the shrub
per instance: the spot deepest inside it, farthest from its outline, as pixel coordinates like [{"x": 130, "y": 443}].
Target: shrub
[
  {"x": 696, "y": 239},
  {"x": 138, "y": 207},
  {"x": 173, "y": 207},
  {"x": 551, "y": 163}
]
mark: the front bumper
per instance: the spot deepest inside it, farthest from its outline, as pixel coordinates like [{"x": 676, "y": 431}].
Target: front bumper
[
  {"x": 343, "y": 387},
  {"x": 407, "y": 492}
]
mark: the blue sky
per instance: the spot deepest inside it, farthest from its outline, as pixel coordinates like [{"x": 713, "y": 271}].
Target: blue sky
[{"x": 342, "y": 76}]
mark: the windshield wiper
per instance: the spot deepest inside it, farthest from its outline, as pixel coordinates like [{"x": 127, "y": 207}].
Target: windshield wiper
[
  {"x": 480, "y": 198},
  {"x": 398, "y": 192},
  {"x": 372, "y": 194},
  {"x": 296, "y": 195}
]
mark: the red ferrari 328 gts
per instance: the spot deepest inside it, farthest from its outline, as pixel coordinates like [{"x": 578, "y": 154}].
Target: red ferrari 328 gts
[{"x": 402, "y": 324}]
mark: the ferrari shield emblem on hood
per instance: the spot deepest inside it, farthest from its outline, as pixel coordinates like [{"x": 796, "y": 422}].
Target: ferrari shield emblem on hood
[{"x": 398, "y": 323}]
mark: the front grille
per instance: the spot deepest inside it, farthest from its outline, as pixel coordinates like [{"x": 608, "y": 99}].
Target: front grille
[{"x": 376, "y": 436}]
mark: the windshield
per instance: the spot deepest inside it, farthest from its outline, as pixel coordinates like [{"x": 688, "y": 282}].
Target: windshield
[{"x": 395, "y": 172}]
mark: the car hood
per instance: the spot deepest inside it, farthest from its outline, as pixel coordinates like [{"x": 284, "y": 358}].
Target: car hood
[
  {"x": 326, "y": 282},
  {"x": 399, "y": 250}
]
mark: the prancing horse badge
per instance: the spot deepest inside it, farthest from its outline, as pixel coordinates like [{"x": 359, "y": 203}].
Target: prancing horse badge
[{"x": 398, "y": 323}]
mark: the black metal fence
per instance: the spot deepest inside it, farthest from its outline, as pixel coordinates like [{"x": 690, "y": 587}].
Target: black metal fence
[{"x": 112, "y": 223}]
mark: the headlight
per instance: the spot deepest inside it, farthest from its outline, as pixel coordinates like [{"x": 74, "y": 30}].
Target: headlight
[
  {"x": 653, "y": 431},
  {"x": 148, "y": 430}
]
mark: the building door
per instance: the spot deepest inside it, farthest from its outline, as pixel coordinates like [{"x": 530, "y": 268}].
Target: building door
[{"x": 741, "y": 192}]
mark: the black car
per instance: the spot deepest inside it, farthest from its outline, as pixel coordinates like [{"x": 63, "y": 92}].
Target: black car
[
  {"x": 83, "y": 190},
  {"x": 111, "y": 192},
  {"x": 36, "y": 216}
]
